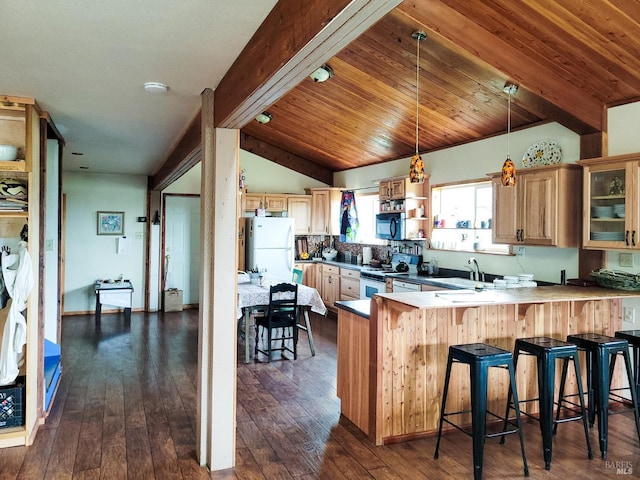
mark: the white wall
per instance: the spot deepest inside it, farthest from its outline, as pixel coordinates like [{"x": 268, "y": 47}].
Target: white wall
[
  {"x": 264, "y": 176},
  {"x": 623, "y": 129},
  {"x": 261, "y": 176},
  {"x": 90, "y": 256},
  {"x": 474, "y": 161},
  {"x": 623, "y": 124},
  {"x": 187, "y": 183}
]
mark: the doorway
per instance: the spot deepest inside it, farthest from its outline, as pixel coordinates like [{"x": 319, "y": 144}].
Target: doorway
[{"x": 181, "y": 246}]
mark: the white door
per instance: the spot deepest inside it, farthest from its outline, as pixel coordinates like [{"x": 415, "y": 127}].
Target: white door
[{"x": 182, "y": 245}]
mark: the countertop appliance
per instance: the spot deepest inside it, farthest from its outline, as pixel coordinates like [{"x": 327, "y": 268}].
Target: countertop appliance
[
  {"x": 270, "y": 246},
  {"x": 391, "y": 226}
]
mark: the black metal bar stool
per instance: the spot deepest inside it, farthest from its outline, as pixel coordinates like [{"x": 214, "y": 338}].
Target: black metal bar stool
[
  {"x": 480, "y": 357},
  {"x": 633, "y": 337},
  {"x": 601, "y": 353},
  {"x": 547, "y": 351}
]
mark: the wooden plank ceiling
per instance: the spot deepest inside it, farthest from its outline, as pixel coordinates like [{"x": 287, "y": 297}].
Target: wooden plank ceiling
[{"x": 569, "y": 58}]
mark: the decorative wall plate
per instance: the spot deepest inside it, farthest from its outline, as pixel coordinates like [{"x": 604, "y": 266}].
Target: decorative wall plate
[{"x": 544, "y": 152}]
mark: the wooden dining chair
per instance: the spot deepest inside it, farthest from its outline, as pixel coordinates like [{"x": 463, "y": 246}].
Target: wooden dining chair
[
  {"x": 306, "y": 326},
  {"x": 282, "y": 313}
]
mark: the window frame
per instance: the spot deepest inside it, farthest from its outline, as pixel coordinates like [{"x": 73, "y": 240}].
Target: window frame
[{"x": 474, "y": 229}]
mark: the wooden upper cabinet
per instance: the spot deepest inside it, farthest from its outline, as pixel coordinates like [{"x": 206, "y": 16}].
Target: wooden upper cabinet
[
  {"x": 611, "y": 202},
  {"x": 392, "y": 189},
  {"x": 505, "y": 227},
  {"x": 275, "y": 203},
  {"x": 325, "y": 211},
  {"x": 543, "y": 208},
  {"x": 399, "y": 188},
  {"x": 270, "y": 202},
  {"x": 299, "y": 208},
  {"x": 253, "y": 201}
]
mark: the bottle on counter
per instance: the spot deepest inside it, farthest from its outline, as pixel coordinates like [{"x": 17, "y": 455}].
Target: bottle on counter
[
  {"x": 359, "y": 259},
  {"x": 434, "y": 266}
]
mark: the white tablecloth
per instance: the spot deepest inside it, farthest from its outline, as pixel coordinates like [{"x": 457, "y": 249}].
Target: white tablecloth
[{"x": 251, "y": 295}]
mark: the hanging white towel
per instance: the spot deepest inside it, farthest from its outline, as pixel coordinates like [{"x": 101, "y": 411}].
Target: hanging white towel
[{"x": 17, "y": 271}]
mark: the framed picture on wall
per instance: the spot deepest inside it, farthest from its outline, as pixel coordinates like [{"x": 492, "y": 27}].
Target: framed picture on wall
[{"x": 110, "y": 223}]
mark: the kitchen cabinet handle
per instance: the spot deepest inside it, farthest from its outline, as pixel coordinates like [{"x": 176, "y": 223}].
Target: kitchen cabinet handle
[
  {"x": 633, "y": 238},
  {"x": 626, "y": 237}
]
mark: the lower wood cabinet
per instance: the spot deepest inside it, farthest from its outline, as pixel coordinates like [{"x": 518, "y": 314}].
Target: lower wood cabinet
[
  {"x": 349, "y": 284},
  {"x": 330, "y": 285}
]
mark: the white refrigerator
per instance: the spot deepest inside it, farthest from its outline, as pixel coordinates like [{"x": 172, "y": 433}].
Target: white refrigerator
[{"x": 270, "y": 246}]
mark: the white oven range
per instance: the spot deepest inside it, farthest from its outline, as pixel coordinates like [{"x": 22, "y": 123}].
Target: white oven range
[{"x": 371, "y": 282}]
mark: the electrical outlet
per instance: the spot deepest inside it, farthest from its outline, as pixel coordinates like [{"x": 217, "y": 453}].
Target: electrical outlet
[
  {"x": 520, "y": 252},
  {"x": 629, "y": 315},
  {"x": 626, "y": 260}
]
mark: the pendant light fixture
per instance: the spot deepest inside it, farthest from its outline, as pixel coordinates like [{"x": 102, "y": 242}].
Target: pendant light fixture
[
  {"x": 416, "y": 170},
  {"x": 508, "y": 168}
]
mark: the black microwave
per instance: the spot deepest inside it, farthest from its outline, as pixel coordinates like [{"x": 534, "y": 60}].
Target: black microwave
[{"x": 390, "y": 226}]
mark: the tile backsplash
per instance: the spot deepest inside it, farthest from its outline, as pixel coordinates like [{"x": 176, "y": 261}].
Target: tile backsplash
[{"x": 317, "y": 242}]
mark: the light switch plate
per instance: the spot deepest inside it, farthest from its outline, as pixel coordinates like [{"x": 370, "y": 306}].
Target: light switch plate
[{"x": 626, "y": 260}]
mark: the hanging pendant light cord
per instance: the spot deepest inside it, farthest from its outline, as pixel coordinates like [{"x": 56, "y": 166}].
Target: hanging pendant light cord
[
  {"x": 509, "y": 128},
  {"x": 417, "y": 87}
]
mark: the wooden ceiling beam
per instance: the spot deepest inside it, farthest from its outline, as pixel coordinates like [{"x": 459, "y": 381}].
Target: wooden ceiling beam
[
  {"x": 187, "y": 153},
  {"x": 286, "y": 159},
  {"x": 293, "y": 41},
  {"x": 569, "y": 105}
]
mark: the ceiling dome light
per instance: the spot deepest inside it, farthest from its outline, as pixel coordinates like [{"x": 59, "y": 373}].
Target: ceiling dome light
[
  {"x": 264, "y": 117},
  {"x": 155, "y": 87},
  {"x": 322, "y": 74}
]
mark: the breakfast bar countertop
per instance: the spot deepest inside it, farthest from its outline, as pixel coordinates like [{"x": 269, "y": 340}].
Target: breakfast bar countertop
[{"x": 470, "y": 298}]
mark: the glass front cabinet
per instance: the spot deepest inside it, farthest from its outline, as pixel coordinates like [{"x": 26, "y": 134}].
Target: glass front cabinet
[{"x": 611, "y": 210}]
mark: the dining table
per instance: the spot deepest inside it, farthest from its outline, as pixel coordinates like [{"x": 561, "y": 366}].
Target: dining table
[{"x": 251, "y": 296}]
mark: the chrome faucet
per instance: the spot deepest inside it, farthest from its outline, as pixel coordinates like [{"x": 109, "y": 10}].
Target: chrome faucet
[{"x": 475, "y": 270}]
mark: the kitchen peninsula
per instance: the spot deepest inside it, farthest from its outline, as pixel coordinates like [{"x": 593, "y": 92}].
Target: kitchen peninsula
[{"x": 392, "y": 351}]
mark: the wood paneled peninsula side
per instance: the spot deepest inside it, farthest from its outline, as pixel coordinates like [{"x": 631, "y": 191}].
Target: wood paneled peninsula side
[{"x": 392, "y": 351}]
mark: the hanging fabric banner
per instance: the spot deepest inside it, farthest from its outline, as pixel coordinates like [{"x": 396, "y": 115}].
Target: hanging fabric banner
[{"x": 349, "y": 219}]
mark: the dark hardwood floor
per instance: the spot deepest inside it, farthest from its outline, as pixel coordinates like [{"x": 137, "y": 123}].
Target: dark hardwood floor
[{"x": 127, "y": 403}]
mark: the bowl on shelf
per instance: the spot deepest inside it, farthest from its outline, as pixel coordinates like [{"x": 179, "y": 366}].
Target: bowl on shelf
[
  {"x": 602, "y": 211},
  {"x": 8, "y": 152},
  {"x": 618, "y": 210}
]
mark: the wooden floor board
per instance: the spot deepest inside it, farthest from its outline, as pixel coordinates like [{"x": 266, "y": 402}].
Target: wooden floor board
[{"x": 126, "y": 406}]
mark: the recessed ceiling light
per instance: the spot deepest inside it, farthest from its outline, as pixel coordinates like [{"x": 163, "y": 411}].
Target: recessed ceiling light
[
  {"x": 264, "y": 117},
  {"x": 322, "y": 74},
  {"x": 155, "y": 87}
]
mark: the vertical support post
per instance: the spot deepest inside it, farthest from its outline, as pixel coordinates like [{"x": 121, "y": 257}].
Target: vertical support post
[{"x": 215, "y": 435}]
